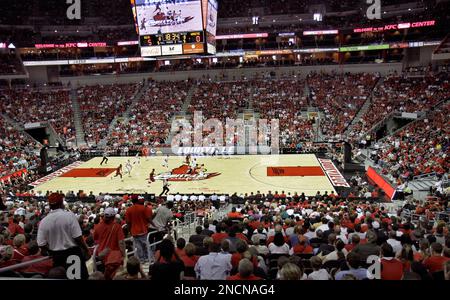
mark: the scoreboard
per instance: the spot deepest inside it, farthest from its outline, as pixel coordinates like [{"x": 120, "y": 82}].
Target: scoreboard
[
  {"x": 172, "y": 38},
  {"x": 176, "y": 27}
]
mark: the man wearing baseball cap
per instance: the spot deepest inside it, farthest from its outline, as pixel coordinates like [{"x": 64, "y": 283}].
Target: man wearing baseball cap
[
  {"x": 109, "y": 237},
  {"x": 59, "y": 234}
]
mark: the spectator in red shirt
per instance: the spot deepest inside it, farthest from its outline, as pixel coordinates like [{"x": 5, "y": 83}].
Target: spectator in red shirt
[
  {"x": 138, "y": 218},
  {"x": 14, "y": 227},
  {"x": 391, "y": 268},
  {"x": 241, "y": 253},
  {"x": 189, "y": 260},
  {"x": 6, "y": 255},
  {"x": 220, "y": 235},
  {"x": 424, "y": 250},
  {"x": 245, "y": 270},
  {"x": 436, "y": 261},
  {"x": 406, "y": 257},
  {"x": 179, "y": 250},
  {"x": 34, "y": 252},
  {"x": 355, "y": 241},
  {"x": 233, "y": 214},
  {"x": 110, "y": 239},
  {"x": 20, "y": 250},
  {"x": 302, "y": 248}
]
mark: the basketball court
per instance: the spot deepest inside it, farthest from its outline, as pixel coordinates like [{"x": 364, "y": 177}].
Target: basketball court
[{"x": 219, "y": 174}]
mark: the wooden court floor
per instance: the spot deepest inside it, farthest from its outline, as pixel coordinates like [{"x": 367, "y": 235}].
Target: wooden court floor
[{"x": 221, "y": 175}]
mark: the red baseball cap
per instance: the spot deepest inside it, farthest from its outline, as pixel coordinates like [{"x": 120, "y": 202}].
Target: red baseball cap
[{"x": 55, "y": 198}]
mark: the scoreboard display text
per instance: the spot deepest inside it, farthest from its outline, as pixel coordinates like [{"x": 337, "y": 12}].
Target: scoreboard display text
[{"x": 172, "y": 38}]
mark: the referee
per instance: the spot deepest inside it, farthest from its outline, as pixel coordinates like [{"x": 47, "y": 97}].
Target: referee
[
  {"x": 59, "y": 234},
  {"x": 166, "y": 189},
  {"x": 105, "y": 157}
]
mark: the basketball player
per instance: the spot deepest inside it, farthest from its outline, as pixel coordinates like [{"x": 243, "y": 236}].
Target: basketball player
[
  {"x": 158, "y": 8},
  {"x": 137, "y": 159},
  {"x": 105, "y": 157},
  {"x": 119, "y": 171},
  {"x": 165, "y": 188},
  {"x": 188, "y": 159},
  {"x": 129, "y": 167},
  {"x": 165, "y": 163},
  {"x": 145, "y": 153},
  {"x": 143, "y": 27},
  {"x": 202, "y": 170},
  {"x": 178, "y": 18},
  {"x": 193, "y": 166},
  {"x": 151, "y": 177}
]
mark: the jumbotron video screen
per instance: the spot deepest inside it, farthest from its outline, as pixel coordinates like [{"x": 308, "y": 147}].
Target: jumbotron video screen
[{"x": 176, "y": 27}]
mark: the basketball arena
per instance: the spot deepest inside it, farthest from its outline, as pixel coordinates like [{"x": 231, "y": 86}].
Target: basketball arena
[{"x": 114, "y": 116}]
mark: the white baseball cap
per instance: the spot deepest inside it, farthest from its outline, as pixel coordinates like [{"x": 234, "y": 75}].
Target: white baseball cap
[{"x": 110, "y": 212}]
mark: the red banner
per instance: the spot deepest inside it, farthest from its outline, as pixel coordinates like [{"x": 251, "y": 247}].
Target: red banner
[
  {"x": 15, "y": 174},
  {"x": 380, "y": 181}
]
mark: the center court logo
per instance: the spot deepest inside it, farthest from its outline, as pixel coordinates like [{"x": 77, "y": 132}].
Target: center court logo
[
  {"x": 185, "y": 173},
  {"x": 249, "y": 137}
]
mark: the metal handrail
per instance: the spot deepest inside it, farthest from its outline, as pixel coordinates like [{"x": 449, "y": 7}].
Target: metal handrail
[
  {"x": 24, "y": 264},
  {"x": 151, "y": 247}
]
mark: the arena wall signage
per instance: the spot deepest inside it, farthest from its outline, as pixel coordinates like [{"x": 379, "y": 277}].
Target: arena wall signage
[
  {"x": 333, "y": 174},
  {"x": 85, "y": 61},
  {"x": 91, "y": 61},
  {"x": 287, "y": 34},
  {"x": 320, "y": 32},
  {"x": 70, "y": 45},
  {"x": 396, "y": 26},
  {"x": 206, "y": 150},
  {"x": 56, "y": 174},
  {"x": 127, "y": 43},
  {"x": 364, "y": 48},
  {"x": 273, "y": 52},
  {"x": 315, "y": 50},
  {"x": 242, "y": 36}
]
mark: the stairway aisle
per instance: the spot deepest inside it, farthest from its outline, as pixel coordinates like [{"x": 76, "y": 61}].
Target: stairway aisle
[
  {"x": 184, "y": 110},
  {"x": 126, "y": 115},
  {"x": 364, "y": 109},
  {"x": 77, "y": 120}
]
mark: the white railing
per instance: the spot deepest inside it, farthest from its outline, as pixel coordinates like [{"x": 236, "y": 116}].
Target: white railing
[
  {"x": 186, "y": 228},
  {"x": 24, "y": 264},
  {"x": 423, "y": 176}
]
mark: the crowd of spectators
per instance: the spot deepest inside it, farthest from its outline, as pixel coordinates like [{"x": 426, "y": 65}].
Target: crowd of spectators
[
  {"x": 420, "y": 148},
  {"x": 17, "y": 150},
  {"x": 284, "y": 100},
  {"x": 221, "y": 100},
  {"x": 339, "y": 97},
  {"x": 149, "y": 122},
  {"x": 271, "y": 236},
  {"x": 29, "y": 105},
  {"x": 401, "y": 93},
  {"x": 100, "y": 104}
]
